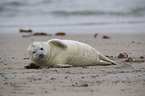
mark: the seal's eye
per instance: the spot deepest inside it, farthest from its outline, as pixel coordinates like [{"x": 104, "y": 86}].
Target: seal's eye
[
  {"x": 34, "y": 52},
  {"x": 41, "y": 48}
]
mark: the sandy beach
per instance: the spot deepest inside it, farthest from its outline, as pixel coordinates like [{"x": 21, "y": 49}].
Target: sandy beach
[{"x": 124, "y": 79}]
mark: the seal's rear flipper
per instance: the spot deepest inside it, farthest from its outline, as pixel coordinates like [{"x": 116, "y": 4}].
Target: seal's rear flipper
[
  {"x": 62, "y": 66},
  {"x": 103, "y": 63},
  {"x": 58, "y": 42},
  {"x": 102, "y": 57}
]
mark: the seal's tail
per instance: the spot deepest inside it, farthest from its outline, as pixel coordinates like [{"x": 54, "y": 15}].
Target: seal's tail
[{"x": 102, "y": 57}]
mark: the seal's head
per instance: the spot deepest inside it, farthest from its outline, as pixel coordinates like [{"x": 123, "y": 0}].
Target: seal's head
[{"x": 38, "y": 51}]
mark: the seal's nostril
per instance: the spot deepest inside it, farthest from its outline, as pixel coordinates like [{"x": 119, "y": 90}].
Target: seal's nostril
[{"x": 41, "y": 56}]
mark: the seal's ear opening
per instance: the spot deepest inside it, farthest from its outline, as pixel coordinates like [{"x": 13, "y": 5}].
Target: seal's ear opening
[{"x": 58, "y": 43}]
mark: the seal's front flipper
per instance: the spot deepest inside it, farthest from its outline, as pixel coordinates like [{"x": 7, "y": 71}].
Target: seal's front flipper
[
  {"x": 58, "y": 42},
  {"x": 62, "y": 66}
]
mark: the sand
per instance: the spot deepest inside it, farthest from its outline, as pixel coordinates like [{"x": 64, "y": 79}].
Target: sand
[{"x": 124, "y": 79}]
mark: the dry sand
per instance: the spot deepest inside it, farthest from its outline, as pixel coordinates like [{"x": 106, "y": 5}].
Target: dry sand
[{"x": 124, "y": 79}]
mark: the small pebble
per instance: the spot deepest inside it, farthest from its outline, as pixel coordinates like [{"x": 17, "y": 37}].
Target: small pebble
[
  {"x": 2, "y": 76},
  {"x": 132, "y": 41},
  {"x": 129, "y": 59},
  {"x": 30, "y": 80},
  {"x": 141, "y": 57},
  {"x": 106, "y": 37},
  {"x": 24, "y": 30},
  {"x": 41, "y": 33},
  {"x": 95, "y": 35},
  {"x": 60, "y": 34},
  {"x": 66, "y": 77},
  {"x": 53, "y": 78},
  {"x": 26, "y": 58},
  {"x": 123, "y": 55}
]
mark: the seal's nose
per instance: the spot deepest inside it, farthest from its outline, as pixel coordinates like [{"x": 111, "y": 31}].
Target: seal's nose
[{"x": 41, "y": 56}]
